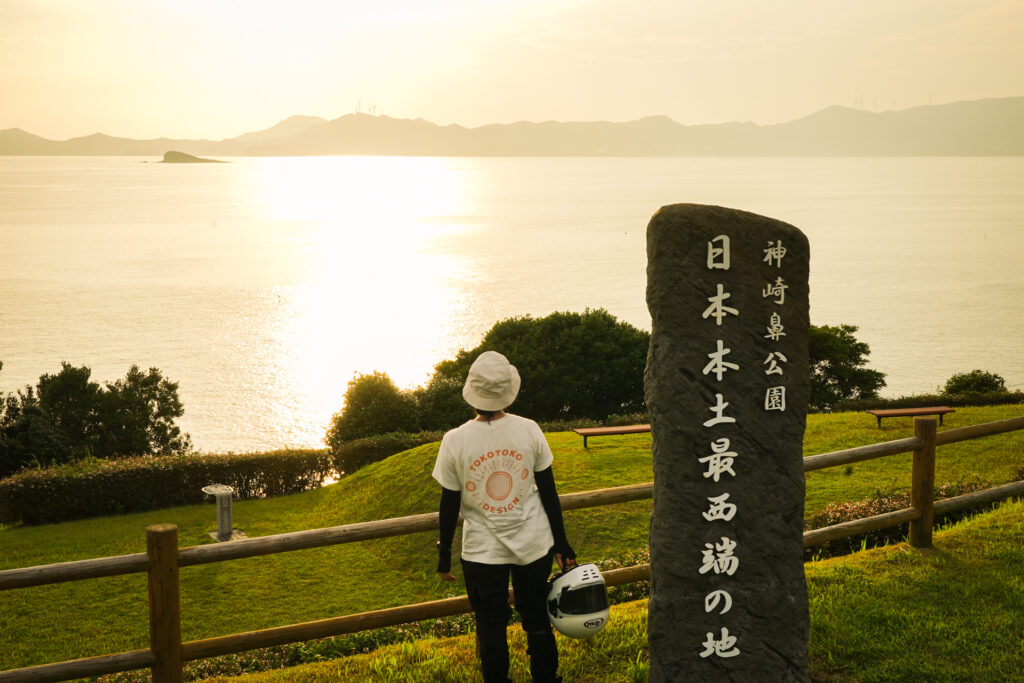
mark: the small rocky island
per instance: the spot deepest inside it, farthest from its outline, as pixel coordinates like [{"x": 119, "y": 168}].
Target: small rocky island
[{"x": 182, "y": 158}]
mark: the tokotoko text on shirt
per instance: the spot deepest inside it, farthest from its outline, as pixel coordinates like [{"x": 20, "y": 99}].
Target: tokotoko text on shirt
[{"x": 493, "y": 465}]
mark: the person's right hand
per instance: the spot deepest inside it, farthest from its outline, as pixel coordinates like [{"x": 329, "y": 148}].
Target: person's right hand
[{"x": 564, "y": 563}]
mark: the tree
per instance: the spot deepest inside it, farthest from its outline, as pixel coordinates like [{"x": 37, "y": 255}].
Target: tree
[
  {"x": 70, "y": 402},
  {"x": 67, "y": 417},
  {"x": 439, "y": 404},
  {"x": 837, "y": 363},
  {"x": 974, "y": 382},
  {"x": 137, "y": 415},
  {"x": 27, "y": 438},
  {"x": 572, "y": 365},
  {"x": 373, "y": 405}
]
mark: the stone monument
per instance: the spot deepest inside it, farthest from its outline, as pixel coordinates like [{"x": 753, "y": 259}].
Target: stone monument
[{"x": 727, "y": 384}]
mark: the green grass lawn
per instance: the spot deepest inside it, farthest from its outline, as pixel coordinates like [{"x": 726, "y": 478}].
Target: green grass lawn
[
  {"x": 995, "y": 458},
  {"x": 99, "y": 616},
  {"x": 890, "y": 614}
]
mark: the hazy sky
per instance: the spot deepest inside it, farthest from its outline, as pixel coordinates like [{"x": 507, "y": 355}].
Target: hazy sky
[{"x": 218, "y": 68}]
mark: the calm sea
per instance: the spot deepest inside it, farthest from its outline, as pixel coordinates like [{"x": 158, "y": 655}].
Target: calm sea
[{"x": 264, "y": 285}]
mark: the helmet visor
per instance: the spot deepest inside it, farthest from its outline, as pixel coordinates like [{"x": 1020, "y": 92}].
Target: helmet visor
[{"x": 584, "y": 600}]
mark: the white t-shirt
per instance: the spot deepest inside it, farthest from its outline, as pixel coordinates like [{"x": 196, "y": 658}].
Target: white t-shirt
[{"x": 492, "y": 465}]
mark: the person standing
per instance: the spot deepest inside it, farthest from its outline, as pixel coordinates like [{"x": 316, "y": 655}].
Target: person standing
[{"x": 496, "y": 470}]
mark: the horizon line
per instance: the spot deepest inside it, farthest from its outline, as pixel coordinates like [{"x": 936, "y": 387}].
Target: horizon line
[{"x": 511, "y": 123}]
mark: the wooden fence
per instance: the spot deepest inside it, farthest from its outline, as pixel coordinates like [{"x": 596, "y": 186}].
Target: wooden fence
[{"x": 163, "y": 559}]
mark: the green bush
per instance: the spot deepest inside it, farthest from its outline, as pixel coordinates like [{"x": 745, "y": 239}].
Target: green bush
[
  {"x": 96, "y": 487},
  {"x": 373, "y": 405},
  {"x": 837, "y": 363},
  {"x": 880, "y": 503},
  {"x": 974, "y": 382},
  {"x": 439, "y": 405},
  {"x": 350, "y": 456},
  {"x": 610, "y": 421},
  {"x": 928, "y": 400},
  {"x": 66, "y": 417},
  {"x": 27, "y": 439},
  {"x": 572, "y": 365}
]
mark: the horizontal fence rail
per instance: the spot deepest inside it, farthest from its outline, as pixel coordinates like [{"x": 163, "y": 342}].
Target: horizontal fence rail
[
  {"x": 969, "y": 500},
  {"x": 860, "y": 526},
  {"x": 977, "y": 431},
  {"x": 73, "y": 571},
  {"x": 869, "y": 452},
  {"x": 353, "y": 623},
  {"x": 82, "y": 668},
  {"x": 162, "y": 561}
]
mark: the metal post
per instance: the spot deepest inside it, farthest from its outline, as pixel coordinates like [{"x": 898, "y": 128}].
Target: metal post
[
  {"x": 922, "y": 483},
  {"x": 164, "y": 602},
  {"x": 223, "y": 494},
  {"x": 223, "y": 516}
]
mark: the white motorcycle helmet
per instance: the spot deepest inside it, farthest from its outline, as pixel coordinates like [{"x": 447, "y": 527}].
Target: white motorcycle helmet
[{"x": 578, "y": 602}]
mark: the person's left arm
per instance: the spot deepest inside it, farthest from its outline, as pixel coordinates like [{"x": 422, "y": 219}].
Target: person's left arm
[{"x": 565, "y": 556}]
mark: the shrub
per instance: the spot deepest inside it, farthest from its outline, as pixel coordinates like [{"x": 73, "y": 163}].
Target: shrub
[
  {"x": 974, "y": 382},
  {"x": 439, "y": 405},
  {"x": 67, "y": 417},
  {"x": 29, "y": 440},
  {"x": 350, "y": 456},
  {"x": 137, "y": 416},
  {"x": 610, "y": 421},
  {"x": 837, "y": 363},
  {"x": 880, "y": 503},
  {"x": 629, "y": 591},
  {"x": 925, "y": 400},
  {"x": 572, "y": 365},
  {"x": 95, "y": 487},
  {"x": 69, "y": 400},
  {"x": 373, "y": 405}
]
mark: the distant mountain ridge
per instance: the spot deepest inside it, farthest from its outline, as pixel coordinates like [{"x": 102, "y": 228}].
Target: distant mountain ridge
[{"x": 990, "y": 127}]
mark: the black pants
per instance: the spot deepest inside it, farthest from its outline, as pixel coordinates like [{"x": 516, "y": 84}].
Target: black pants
[{"x": 487, "y": 586}]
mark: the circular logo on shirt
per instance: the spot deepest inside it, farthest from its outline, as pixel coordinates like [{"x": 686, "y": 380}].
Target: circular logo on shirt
[
  {"x": 499, "y": 485},
  {"x": 498, "y": 481}
]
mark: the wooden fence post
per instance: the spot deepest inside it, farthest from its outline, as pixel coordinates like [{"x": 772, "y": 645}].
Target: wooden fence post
[
  {"x": 164, "y": 602},
  {"x": 922, "y": 483}
]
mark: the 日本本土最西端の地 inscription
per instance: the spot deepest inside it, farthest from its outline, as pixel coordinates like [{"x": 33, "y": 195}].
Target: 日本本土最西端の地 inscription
[{"x": 727, "y": 386}]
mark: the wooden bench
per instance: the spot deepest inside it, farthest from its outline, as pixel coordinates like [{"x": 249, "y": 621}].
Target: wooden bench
[
  {"x": 910, "y": 412},
  {"x": 610, "y": 431}
]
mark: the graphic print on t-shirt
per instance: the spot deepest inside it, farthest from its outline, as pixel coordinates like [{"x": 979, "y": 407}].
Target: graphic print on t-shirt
[{"x": 498, "y": 480}]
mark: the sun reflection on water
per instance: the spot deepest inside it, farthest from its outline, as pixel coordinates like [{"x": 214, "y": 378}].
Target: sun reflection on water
[
  {"x": 377, "y": 295},
  {"x": 261, "y": 286},
  {"x": 382, "y": 192}
]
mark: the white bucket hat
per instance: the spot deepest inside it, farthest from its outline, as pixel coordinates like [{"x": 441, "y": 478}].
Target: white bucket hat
[{"x": 492, "y": 383}]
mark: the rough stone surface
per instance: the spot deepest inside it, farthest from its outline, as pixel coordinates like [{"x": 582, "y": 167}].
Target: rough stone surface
[{"x": 763, "y": 574}]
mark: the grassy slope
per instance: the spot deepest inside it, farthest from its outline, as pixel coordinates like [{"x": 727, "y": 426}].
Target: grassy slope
[
  {"x": 300, "y": 586},
  {"x": 950, "y": 614},
  {"x": 995, "y": 458},
  {"x": 890, "y": 614}
]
